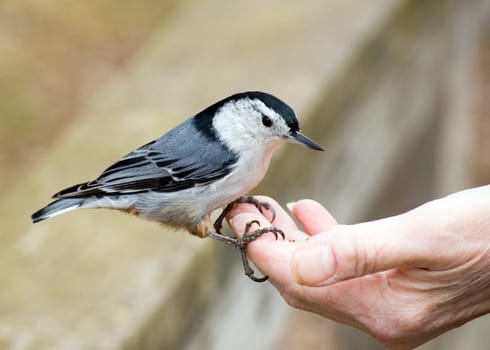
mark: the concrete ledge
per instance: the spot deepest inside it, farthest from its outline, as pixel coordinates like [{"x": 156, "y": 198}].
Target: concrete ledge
[{"x": 98, "y": 279}]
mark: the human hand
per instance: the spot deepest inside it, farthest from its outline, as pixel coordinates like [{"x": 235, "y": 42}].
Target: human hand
[{"x": 404, "y": 279}]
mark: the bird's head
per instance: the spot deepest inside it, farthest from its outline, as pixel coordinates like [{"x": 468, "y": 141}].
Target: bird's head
[{"x": 256, "y": 118}]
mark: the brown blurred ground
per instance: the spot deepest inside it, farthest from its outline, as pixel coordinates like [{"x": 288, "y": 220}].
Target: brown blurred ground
[{"x": 53, "y": 56}]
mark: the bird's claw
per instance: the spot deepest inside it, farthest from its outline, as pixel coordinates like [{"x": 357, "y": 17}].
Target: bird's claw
[
  {"x": 252, "y": 236},
  {"x": 218, "y": 224},
  {"x": 258, "y": 204},
  {"x": 247, "y": 227},
  {"x": 247, "y": 237}
]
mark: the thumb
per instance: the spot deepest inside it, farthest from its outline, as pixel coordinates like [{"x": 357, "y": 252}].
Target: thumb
[{"x": 349, "y": 251}]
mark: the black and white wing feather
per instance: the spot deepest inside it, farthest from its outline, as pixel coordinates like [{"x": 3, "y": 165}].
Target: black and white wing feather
[{"x": 168, "y": 164}]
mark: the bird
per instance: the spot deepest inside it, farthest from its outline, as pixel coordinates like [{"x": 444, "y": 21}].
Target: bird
[{"x": 210, "y": 161}]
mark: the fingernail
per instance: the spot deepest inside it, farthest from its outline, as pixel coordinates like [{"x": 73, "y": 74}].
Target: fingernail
[
  {"x": 312, "y": 265},
  {"x": 290, "y": 206}
]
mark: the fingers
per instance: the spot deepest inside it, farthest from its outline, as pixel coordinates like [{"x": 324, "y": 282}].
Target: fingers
[
  {"x": 436, "y": 236},
  {"x": 312, "y": 215},
  {"x": 335, "y": 252},
  {"x": 350, "y": 251}
]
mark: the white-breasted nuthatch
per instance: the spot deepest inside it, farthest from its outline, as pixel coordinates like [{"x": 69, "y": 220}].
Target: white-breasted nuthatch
[{"x": 208, "y": 162}]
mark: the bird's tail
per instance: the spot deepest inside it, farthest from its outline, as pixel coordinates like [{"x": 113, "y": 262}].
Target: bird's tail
[{"x": 57, "y": 207}]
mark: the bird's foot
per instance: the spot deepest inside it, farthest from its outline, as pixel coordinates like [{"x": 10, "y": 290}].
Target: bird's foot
[
  {"x": 241, "y": 243},
  {"x": 218, "y": 224},
  {"x": 252, "y": 236}
]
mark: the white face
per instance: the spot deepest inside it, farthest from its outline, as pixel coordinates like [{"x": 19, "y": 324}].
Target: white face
[{"x": 247, "y": 123}]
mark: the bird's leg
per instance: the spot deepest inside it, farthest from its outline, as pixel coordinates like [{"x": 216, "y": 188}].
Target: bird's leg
[
  {"x": 247, "y": 236},
  {"x": 218, "y": 224},
  {"x": 241, "y": 243}
]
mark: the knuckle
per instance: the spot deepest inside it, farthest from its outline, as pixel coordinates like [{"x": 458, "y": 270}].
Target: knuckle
[{"x": 360, "y": 258}]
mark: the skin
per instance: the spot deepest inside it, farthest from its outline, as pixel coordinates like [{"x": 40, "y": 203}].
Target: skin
[{"x": 404, "y": 279}]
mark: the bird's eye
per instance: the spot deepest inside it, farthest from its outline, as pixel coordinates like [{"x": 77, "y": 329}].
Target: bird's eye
[{"x": 266, "y": 121}]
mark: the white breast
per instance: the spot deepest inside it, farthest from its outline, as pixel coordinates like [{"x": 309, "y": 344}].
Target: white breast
[
  {"x": 249, "y": 171},
  {"x": 193, "y": 205}
]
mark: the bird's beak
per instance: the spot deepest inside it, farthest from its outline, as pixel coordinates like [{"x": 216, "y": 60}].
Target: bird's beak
[{"x": 298, "y": 137}]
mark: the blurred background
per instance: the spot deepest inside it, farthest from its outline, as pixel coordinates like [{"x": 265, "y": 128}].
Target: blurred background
[{"x": 398, "y": 93}]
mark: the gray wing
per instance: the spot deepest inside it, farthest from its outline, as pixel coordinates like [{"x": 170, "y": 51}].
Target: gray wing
[{"x": 181, "y": 159}]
